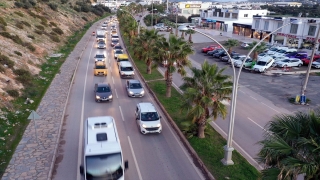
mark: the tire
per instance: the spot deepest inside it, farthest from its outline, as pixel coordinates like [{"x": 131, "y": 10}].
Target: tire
[
  {"x": 299, "y": 65},
  {"x": 264, "y": 71}
]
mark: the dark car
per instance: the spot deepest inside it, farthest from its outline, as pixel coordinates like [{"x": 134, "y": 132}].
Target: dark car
[
  {"x": 102, "y": 92},
  {"x": 226, "y": 58},
  {"x": 117, "y": 47},
  {"x": 298, "y": 54},
  {"x": 210, "y": 53},
  {"x": 114, "y": 43}
]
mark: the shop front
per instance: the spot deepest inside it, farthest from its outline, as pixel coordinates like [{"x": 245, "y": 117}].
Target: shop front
[
  {"x": 208, "y": 23},
  {"x": 242, "y": 29},
  {"x": 261, "y": 34}
]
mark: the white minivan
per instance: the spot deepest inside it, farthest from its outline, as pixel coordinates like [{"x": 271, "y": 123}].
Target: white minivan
[
  {"x": 148, "y": 119},
  {"x": 126, "y": 69},
  {"x": 263, "y": 64}
]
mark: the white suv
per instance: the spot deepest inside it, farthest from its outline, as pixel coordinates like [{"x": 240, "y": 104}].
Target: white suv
[
  {"x": 263, "y": 64},
  {"x": 148, "y": 119}
]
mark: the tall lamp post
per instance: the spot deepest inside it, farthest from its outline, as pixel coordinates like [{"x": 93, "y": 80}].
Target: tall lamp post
[
  {"x": 304, "y": 87},
  {"x": 152, "y": 13},
  {"x": 227, "y": 160}
]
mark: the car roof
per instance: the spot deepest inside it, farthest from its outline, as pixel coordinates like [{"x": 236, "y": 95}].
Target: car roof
[
  {"x": 133, "y": 81},
  {"x": 124, "y": 56},
  {"x": 125, "y": 63},
  {"x": 102, "y": 85},
  {"x": 147, "y": 107}
]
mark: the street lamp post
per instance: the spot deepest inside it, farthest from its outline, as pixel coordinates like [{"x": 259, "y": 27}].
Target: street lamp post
[
  {"x": 152, "y": 13},
  {"x": 176, "y": 23},
  {"x": 304, "y": 87}
]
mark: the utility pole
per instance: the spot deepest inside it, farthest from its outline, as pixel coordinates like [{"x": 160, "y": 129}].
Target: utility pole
[
  {"x": 176, "y": 22},
  {"x": 152, "y": 13},
  {"x": 167, "y": 6},
  {"x": 304, "y": 87}
]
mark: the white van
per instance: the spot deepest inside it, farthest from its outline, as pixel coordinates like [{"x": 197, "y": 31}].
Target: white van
[
  {"x": 126, "y": 69},
  {"x": 263, "y": 64},
  {"x": 148, "y": 119},
  {"x": 102, "y": 154}
]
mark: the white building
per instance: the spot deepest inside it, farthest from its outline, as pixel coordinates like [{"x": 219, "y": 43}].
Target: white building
[
  {"x": 300, "y": 34},
  {"x": 188, "y": 8},
  {"x": 237, "y": 21}
]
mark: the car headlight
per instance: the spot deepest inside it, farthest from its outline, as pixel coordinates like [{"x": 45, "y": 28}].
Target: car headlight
[
  {"x": 122, "y": 73},
  {"x": 144, "y": 126},
  {"x": 159, "y": 125},
  {"x": 110, "y": 96},
  {"x": 97, "y": 97},
  {"x": 130, "y": 92},
  {"x": 142, "y": 92},
  {"x": 132, "y": 73}
]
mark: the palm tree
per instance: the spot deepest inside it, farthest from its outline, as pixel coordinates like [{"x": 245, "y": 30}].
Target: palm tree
[
  {"x": 204, "y": 94},
  {"x": 190, "y": 32},
  {"x": 292, "y": 146},
  {"x": 259, "y": 49},
  {"x": 230, "y": 44},
  {"x": 175, "y": 51}
]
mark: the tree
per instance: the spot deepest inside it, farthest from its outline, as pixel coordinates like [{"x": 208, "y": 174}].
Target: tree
[
  {"x": 175, "y": 52},
  {"x": 190, "y": 32},
  {"x": 230, "y": 44},
  {"x": 292, "y": 146},
  {"x": 204, "y": 94},
  {"x": 259, "y": 49}
]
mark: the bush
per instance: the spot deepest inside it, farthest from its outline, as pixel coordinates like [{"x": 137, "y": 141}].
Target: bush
[
  {"x": 77, "y": 8},
  {"x": 40, "y": 27},
  {"x": 30, "y": 47},
  {"x": 23, "y": 76},
  {"x": 84, "y": 18},
  {"x": 13, "y": 93},
  {"x": 2, "y": 69},
  {"x": 17, "y": 39},
  {"x": 18, "y": 53},
  {"x": 53, "y": 24},
  {"x": 2, "y": 28},
  {"x": 38, "y": 32},
  {"x": 44, "y": 21},
  {"x": 5, "y": 34},
  {"x": 64, "y": 1},
  {"x": 19, "y": 13},
  {"x": 32, "y": 14},
  {"x": 54, "y": 38},
  {"x": 30, "y": 36},
  {"x": 26, "y": 23},
  {"x": 97, "y": 12},
  {"x": 57, "y": 30},
  {"x": 52, "y": 33},
  {"x": 3, "y": 22},
  {"x": 85, "y": 8},
  {"x": 53, "y": 6},
  {"x": 19, "y": 25},
  {"x": 6, "y": 60}
]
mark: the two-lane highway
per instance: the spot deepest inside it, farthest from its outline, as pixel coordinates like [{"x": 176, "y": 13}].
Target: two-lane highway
[{"x": 151, "y": 156}]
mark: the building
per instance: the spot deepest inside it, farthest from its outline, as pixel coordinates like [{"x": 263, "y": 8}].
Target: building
[
  {"x": 300, "y": 34},
  {"x": 237, "y": 21},
  {"x": 188, "y": 8}
]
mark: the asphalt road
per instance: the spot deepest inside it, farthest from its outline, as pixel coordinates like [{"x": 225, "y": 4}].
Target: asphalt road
[{"x": 153, "y": 156}]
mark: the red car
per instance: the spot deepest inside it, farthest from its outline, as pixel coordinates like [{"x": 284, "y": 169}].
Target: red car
[
  {"x": 306, "y": 61},
  {"x": 210, "y": 48},
  {"x": 93, "y": 33}
]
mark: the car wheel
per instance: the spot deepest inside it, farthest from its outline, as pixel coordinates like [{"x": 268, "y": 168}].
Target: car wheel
[
  {"x": 299, "y": 65},
  {"x": 265, "y": 70}
]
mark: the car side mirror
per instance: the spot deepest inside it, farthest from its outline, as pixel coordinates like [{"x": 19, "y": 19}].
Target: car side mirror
[
  {"x": 126, "y": 165},
  {"x": 81, "y": 168},
  {"x": 137, "y": 118}
]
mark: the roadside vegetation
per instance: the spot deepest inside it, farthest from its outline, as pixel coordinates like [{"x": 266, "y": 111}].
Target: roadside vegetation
[
  {"x": 14, "y": 112},
  {"x": 193, "y": 110}
]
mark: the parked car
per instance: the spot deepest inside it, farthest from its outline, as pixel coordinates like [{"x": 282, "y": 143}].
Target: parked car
[
  {"x": 245, "y": 44},
  {"x": 263, "y": 64},
  {"x": 232, "y": 55},
  {"x": 210, "y": 53},
  {"x": 291, "y": 62},
  {"x": 274, "y": 50},
  {"x": 306, "y": 61},
  {"x": 247, "y": 64},
  {"x": 316, "y": 64},
  {"x": 283, "y": 52},
  {"x": 102, "y": 92},
  {"x": 238, "y": 58},
  {"x": 210, "y": 48},
  {"x": 261, "y": 55},
  {"x": 134, "y": 88},
  {"x": 298, "y": 54}
]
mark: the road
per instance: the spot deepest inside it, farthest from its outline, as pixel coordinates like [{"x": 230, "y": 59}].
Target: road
[{"x": 154, "y": 156}]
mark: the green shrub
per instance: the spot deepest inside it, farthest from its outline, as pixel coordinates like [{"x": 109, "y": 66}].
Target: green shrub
[
  {"x": 38, "y": 32},
  {"x": 57, "y": 30},
  {"x": 6, "y": 60},
  {"x": 18, "y": 4},
  {"x": 53, "y": 24},
  {"x": 32, "y": 14},
  {"x": 16, "y": 39},
  {"x": 54, "y": 38},
  {"x": 19, "y": 13},
  {"x": 45, "y": 0},
  {"x": 53, "y": 33},
  {"x": 97, "y": 12},
  {"x": 19, "y": 25},
  {"x": 53, "y": 6},
  {"x": 3, "y": 22},
  {"x": 30, "y": 47},
  {"x": 84, "y": 18},
  {"x": 23, "y": 76},
  {"x": 77, "y": 8},
  {"x": 64, "y": 1},
  {"x": 2, "y": 27},
  {"x": 18, "y": 53},
  {"x": 5, "y": 34},
  {"x": 40, "y": 27},
  {"x": 44, "y": 21},
  {"x": 26, "y": 23},
  {"x": 13, "y": 93},
  {"x": 30, "y": 36}
]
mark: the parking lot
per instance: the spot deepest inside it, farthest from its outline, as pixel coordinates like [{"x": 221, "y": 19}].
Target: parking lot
[{"x": 276, "y": 88}]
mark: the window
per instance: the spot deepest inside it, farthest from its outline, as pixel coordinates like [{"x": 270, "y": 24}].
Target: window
[
  {"x": 256, "y": 24},
  {"x": 227, "y": 15},
  {"x": 294, "y": 28},
  {"x": 312, "y": 30},
  {"x": 245, "y": 15},
  {"x": 266, "y": 25},
  {"x": 279, "y": 25}
]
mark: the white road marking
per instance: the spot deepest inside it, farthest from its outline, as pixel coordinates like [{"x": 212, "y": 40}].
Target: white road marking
[
  {"x": 116, "y": 93},
  {"x": 239, "y": 147},
  {"x": 121, "y": 113},
  {"x": 112, "y": 79},
  {"x": 253, "y": 98},
  {"x": 135, "y": 159},
  {"x": 270, "y": 107},
  {"x": 257, "y": 124}
]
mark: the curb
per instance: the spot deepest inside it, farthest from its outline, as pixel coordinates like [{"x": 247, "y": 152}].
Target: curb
[{"x": 196, "y": 159}]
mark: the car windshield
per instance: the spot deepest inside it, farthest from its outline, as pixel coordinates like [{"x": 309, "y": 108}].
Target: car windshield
[
  {"x": 101, "y": 42},
  {"x": 149, "y": 116},
  {"x": 135, "y": 86},
  {"x": 103, "y": 89},
  {"x": 286, "y": 60},
  {"x": 101, "y": 67},
  {"x": 119, "y": 52},
  {"x": 100, "y": 36},
  {"x": 106, "y": 166},
  {"x": 99, "y": 56},
  {"x": 115, "y": 36},
  {"x": 262, "y": 54},
  {"x": 281, "y": 51},
  {"x": 126, "y": 69},
  {"x": 118, "y": 47},
  {"x": 261, "y": 63}
]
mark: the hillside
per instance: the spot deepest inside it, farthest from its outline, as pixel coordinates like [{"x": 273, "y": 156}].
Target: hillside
[{"x": 32, "y": 32}]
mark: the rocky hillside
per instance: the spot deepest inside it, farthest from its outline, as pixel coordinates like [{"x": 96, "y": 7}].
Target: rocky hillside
[{"x": 30, "y": 31}]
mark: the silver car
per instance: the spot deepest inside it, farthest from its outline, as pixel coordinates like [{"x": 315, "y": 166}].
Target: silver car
[
  {"x": 102, "y": 92},
  {"x": 101, "y": 45},
  {"x": 99, "y": 57},
  {"x": 134, "y": 88}
]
